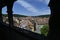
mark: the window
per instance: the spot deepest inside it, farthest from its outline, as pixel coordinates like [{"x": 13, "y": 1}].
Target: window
[{"x": 32, "y": 15}]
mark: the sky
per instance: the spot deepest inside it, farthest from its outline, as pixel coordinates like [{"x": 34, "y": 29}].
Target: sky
[{"x": 30, "y": 7}]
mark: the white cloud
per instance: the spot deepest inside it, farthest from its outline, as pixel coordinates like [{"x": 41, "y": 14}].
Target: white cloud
[
  {"x": 31, "y": 8},
  {"x": 40, "y": 0},
  {"x": 47, "y": 1},
  {"x": 44, "y": 1},
  {"x": 28, "y": 6},
  {"x": 46, "y": 11}
]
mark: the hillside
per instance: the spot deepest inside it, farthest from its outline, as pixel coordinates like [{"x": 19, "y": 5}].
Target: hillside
[
  {"x": 43, "y": 16},
  {"x": 15, "y": 15}
]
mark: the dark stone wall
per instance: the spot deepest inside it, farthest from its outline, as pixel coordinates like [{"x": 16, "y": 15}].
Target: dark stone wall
[
  {"x": 8, "y": 33},
  {"x": 54, "y": 21}
]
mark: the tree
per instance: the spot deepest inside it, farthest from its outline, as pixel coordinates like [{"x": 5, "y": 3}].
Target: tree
[{"x": 44, "y": 30}]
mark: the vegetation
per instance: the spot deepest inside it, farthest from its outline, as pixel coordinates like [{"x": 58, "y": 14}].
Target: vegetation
[
  {"x": 44, "y": 30},
  {"x": 43, "y": 16},
  {"x": 15, "y": 15},
  {"x": 5, "y": 15}
]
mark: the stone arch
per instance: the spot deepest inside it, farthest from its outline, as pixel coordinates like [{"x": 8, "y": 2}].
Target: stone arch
[{"x": 9, "y": 4}]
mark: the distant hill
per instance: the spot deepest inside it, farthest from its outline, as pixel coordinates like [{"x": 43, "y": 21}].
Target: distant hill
[
  {"x": 15, "y": 15},
  {"x": 42, "y": 16}
]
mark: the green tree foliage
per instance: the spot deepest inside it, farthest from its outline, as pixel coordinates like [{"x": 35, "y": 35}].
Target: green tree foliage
[
  {"x": 15, "y": 15},
  {"x": 43, "y": 16},
  {"x": 44, "y": 30}
]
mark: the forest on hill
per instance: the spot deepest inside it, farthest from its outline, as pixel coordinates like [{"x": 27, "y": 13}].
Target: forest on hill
[{"x": 17, "y": 15}]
